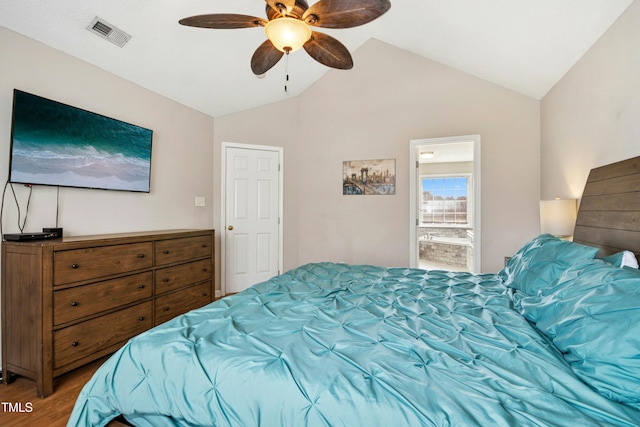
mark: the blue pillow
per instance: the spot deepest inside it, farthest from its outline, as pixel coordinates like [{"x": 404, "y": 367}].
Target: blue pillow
[
  {"x": 592, "y": 314},
  {"x": 541, "y": 261}
]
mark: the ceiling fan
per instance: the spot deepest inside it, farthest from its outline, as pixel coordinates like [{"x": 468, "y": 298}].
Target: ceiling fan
[{"x": 287, "y": 28}]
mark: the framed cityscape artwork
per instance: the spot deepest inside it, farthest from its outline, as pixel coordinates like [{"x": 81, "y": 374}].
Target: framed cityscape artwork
[{"x": 363, "y": 177}]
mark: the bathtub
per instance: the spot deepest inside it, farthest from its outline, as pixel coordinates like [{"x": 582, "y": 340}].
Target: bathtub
[{"x": 459, "y": 241}]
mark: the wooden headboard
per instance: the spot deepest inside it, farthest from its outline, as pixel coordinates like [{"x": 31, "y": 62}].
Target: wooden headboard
[{"x": 609, "y": 214}]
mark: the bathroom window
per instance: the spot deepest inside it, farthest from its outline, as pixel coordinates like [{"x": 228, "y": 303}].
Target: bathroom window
[{"x": 444, "y": 200}]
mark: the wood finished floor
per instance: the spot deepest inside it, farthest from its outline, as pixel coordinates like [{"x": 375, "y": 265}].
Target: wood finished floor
[{"x": 53, "y": 411}]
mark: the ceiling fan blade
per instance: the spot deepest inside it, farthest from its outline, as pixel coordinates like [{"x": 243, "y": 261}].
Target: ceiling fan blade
[
  {"x": 328, "y": 51},
  {"x": 265, "y": 57},
  {"x": 223, "y": 21},
  {"x": 344, "y": 13}
]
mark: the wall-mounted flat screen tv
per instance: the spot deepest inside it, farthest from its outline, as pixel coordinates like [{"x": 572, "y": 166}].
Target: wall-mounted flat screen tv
[{"x": 60, "y": 145}]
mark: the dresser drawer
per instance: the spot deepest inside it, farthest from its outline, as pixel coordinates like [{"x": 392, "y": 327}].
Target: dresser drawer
[
  {"x": 90, "y": 263},
  {"x": 86, "y": 338},
  {"x": 171, "y": 278},
  {"x": 176, "y": 250},
  {"x": 170, "y": 305},
  {"x": 75, "y": 303}
]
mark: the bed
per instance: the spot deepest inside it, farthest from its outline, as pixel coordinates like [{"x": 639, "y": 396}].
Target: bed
[{"x": 551, "y": 340}]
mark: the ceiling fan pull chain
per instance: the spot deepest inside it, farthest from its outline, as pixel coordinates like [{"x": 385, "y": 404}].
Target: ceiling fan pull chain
[{"x": 286, "y": 72}]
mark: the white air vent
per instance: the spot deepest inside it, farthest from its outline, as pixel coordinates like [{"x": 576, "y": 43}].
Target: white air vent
[{"x": 108, "y": 32}]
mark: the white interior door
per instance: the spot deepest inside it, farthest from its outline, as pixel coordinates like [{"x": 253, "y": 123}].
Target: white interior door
[{"x": 252, "y": 213}]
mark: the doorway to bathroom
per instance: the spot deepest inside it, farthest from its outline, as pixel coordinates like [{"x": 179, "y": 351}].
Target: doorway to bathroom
[{"x": 445, "y": 203}]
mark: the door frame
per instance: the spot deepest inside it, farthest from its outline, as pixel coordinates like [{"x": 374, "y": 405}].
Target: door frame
[
  {"x": 414, "y": 210},
  {"x": 223, "y": 205}
]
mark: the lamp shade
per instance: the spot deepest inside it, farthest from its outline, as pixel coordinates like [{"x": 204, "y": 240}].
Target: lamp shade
[
  {"x": 558, "y": 217},
  {"x": 287, "y": 34}
]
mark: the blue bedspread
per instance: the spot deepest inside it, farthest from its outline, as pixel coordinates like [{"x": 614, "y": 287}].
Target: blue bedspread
[{"x": 338, "y": 345}]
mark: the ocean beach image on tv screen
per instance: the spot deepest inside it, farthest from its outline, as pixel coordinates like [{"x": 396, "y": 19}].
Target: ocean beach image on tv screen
[{"x": 56, "y": 144}]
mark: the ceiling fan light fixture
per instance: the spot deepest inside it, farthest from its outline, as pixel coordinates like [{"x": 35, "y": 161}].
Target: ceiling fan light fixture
[{"x": 287, "y": 34}]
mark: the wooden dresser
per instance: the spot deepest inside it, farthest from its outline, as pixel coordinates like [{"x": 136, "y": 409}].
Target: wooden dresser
[{"x": 69, "y": 301}]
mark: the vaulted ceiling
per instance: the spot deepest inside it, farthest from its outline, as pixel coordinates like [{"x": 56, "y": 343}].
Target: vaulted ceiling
[{"x": 524, "y": 45}]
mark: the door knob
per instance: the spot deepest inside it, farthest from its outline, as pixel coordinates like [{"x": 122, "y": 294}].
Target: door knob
[{"x": 230, "y": 227}]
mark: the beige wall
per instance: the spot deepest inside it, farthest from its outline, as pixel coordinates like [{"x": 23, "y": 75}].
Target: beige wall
[
  {"x": 372, "y": 112},
  {"x": 273, "y": 125},
  {"x": 182, "y": 149},
  {"x": 592, "y": 116}
]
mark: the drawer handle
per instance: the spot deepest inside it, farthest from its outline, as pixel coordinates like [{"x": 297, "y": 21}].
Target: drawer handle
[
  {"x": 165, "y": 280},
  {"x": 204, "y": 294},
  {"x": 205, "y": 269},
  {"x": 166, "y": 252},
  {"x": 74, "y": 344},
  {"x": 74, "y": 266},
  {"x": 140, "y": 255},
  {"x": 74, "y": 303},
  {"x": 165, "y": 309},
  {"x": 141, "y": 286},
  {"x": 141, "y": 318},
  {"x": 205, "y": 246}
]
